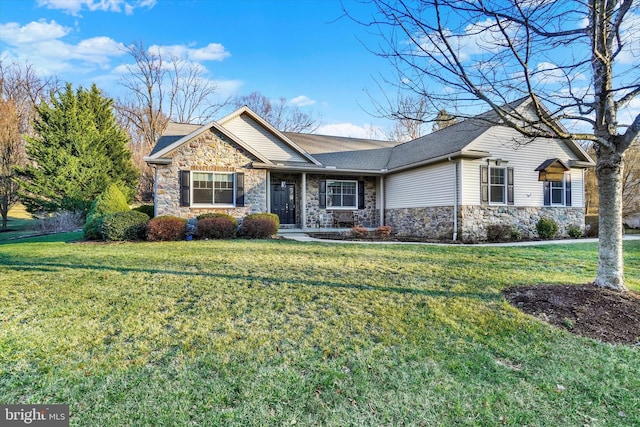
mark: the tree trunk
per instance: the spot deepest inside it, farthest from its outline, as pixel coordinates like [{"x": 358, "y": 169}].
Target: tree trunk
[{"x": 609, "y": 168}]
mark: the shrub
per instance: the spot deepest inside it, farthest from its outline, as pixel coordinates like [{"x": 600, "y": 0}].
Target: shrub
[
  {"x": 359, "y": 232},
  {"x": 109, "y": 201},
  {"x": 516, "y": 234},
  {"x": 499, "y": 232},
  {"x": 147, "y": 209},
  {"x": 547, "y": 228},
  {"x": 384, "y": 231},
  {"x": 260, "y": 226},
  {"x": 591, "y": 225},
  {"x": 121, "y": 226},
  {"x": 217, "y": 227},
  {"x": 574, "y": 231},
  {"x": 220, "y": 215},
  {"x": 166, "y": 228},
  {"x": 60, "y": 222}
]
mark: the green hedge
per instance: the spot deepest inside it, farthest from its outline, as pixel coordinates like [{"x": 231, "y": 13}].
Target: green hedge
[{"x": 121, "y": 226}]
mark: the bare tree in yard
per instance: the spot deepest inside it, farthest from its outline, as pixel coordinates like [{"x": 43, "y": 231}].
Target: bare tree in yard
[
  {"x": 444, "y": 120},
  {"x": 410, "y": 115},
  {"x": 578, "y": 58},
  {"x": 11, "y": 155},
  {"x": 278, "y": 113},
  {"x": 21, "y": 90},
  {"x": 160, "y": 89}
]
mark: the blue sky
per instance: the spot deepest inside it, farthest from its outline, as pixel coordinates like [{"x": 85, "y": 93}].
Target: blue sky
[{"x": 300, "y": 50}]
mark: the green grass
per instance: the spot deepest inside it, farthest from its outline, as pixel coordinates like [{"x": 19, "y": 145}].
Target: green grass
[
  {"x": 19, "y": 223},
  {"x": 254, "y": 333}
]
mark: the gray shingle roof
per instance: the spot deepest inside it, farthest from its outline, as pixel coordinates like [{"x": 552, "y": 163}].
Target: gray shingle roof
[
  {"x": 172, "y": 133},
  {"x": 437, "y": 144},
  {"x": 345, "y": 153}
]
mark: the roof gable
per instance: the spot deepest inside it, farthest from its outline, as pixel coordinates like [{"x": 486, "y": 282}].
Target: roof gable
[
  {"x": 172, "y": 139},
  {"x": 263, "y": 137}
]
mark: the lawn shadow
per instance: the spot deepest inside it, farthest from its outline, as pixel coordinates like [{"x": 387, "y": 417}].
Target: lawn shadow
[{"x": 54, "y": 267}]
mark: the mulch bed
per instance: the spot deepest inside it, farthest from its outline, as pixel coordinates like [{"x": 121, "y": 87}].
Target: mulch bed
[{"x": 586, "y": 310}]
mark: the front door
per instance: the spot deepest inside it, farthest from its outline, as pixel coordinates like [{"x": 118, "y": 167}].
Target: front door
[{"x": 283, "y": 202}]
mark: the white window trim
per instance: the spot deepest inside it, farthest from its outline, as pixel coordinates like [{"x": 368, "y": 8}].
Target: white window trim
[
  {"x": 504, "y": 186},
  {"x": 564, "y": 192},
  {"x": 215, "y": 205},
  {"x": 341, "y": 208}
]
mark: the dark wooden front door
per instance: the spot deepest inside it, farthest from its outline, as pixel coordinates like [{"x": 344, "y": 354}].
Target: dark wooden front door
[{"x": 283, "y": 202}]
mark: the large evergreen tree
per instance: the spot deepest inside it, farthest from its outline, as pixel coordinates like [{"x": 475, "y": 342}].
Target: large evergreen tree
[{"x": 78, "y": 151}]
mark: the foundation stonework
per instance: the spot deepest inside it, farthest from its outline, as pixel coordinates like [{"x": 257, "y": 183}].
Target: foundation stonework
[{"x": 473, "y": 221}]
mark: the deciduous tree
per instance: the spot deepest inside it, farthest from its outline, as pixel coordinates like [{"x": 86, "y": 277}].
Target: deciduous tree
[
  {"x": 279, "y": 114},
  {"x": 575, "y": 60}
]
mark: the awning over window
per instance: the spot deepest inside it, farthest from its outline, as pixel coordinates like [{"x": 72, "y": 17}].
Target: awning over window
[{"x": 552, "y": 170}]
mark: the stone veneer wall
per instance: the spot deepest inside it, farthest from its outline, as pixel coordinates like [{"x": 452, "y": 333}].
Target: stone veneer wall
[
  {"x": 475, "y": 219},
  {"x": 430, "y": 222},
  {"x": 317, "y": 217},
  {"x": 437, "y": 222},
  {"x": 212, "y": 153}
]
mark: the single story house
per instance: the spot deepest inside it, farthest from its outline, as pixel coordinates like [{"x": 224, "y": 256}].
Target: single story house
[{"x": 450, "y": 184}]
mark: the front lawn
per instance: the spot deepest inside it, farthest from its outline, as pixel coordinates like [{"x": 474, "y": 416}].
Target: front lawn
[{"x": 254, "y": 333}]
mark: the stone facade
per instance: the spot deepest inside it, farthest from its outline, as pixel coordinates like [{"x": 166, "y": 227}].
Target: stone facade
[
  {"x": 474, "y": 220},
  {"x": 323, "y": 218},
  {"x": 212, "y": 153},
  {"x": 437, "y": 222},
  {"x": 430, "y": 222}
]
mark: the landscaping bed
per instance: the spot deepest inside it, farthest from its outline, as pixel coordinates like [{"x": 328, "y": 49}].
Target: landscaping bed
[{"x": 585, "y": 310}]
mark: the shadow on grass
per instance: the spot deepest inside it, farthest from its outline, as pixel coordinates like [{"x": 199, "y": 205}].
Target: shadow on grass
[{"x": 51, "y": 267}]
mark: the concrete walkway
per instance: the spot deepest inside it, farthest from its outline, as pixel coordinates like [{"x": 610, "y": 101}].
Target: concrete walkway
[{"x": 303, "y": 237}]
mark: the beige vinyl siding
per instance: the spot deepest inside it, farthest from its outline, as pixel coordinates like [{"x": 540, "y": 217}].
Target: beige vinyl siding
[
  {"x": 261, "y": 140},
  {"x": 421, "y": 187},
  {"x": 524, "y": 159}
]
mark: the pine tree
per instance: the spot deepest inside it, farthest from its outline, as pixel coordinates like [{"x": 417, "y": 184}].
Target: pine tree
[{"x": 78, "y": 151}]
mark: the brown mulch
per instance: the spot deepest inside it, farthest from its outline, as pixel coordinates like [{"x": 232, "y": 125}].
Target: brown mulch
[{"x": 586, "y": 310}]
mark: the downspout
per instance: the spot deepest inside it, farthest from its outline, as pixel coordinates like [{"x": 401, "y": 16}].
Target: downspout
[
  {"x": 267, "y": 193},
  {"x": 382, "y": 202},
  {"x": 455, "y": 199},
  {"x": 155, "y": 190},
  {"x": 303, "y": 215}
]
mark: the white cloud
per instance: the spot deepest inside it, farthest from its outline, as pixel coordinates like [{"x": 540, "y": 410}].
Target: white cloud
[
  {"x": 73, "y": 7},
  {"x": 12, "y": 33},
  {"x": 211, "y": 52},
  {"x": 40, "y": 44},
  {"x": 551, "y": 73},
  {"x": 302, "y": 101},
  {"x": 350, "y": 130}
]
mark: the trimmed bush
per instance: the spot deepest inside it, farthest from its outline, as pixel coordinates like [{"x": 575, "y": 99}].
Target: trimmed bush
[
  {"x": 384, "y": 231},
  {"x": 574, "y": 231},
  {"x": 166, "y": 228},
  {"x": 499, "y": 233},
  {"x": 260, "y": 226},
  {"x": 547, "y": 228},
  {"x": 109, "y": 201},
  {"x": 147, "y": 209},
  {"x": 119, "y": 226},
  {"x": 216, "y": 227},
  {"x": 359, "y": 232},
  {"x": 219, "y": 215}
]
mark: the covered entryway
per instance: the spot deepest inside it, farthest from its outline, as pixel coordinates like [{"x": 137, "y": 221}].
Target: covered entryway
[{"x": 283, "y": 202}]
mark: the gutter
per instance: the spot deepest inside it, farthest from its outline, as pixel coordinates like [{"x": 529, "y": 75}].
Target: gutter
[
  {"x": 455, "y": 198},
  {"x": 159, "y": 161}
]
